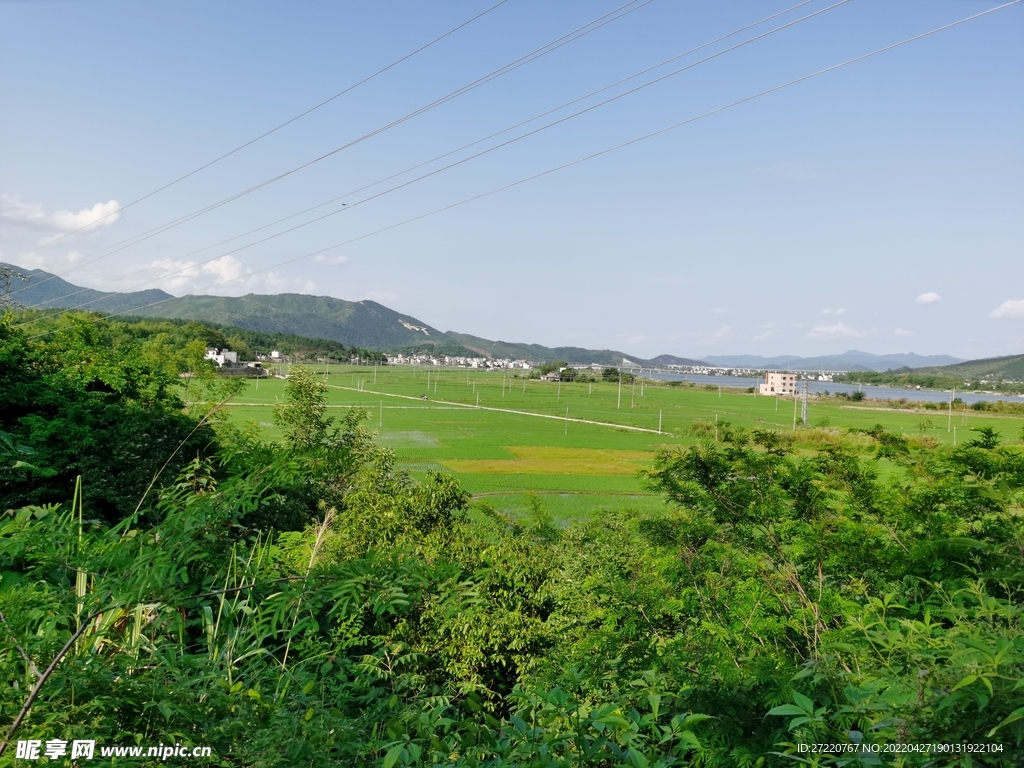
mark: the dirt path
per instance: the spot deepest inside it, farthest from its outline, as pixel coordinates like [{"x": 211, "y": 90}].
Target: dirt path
[{"x": 503, "y": 410}]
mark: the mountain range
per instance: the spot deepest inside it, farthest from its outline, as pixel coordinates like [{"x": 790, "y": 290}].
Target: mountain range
[
  {"x": 853, "y": 360},
  {"x": 364, "y": 324},
  {"x": 371, "y": 325},
  {"x": 1009, "y": 367}
]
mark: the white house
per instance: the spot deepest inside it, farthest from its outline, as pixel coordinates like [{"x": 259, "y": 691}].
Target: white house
[
  {"x": 221, "y": 357},
  {"x": 778, "y": 383}
]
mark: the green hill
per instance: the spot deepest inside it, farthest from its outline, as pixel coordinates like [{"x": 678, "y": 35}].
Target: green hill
[
  {"x": 355, "y": 323},
  {"x": 363, "y": 324},
  {"x": 538, "y": 352},
  {"x": 44, "y": 291},
  {"x": 1008, "y": 367}
]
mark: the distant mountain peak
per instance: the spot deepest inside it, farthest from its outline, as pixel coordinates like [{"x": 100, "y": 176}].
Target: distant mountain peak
[{"x": 851, "y": 360}]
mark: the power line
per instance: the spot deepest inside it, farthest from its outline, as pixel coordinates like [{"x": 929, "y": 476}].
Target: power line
[
  {"x": 346, "y": 206},
  {"x": 572, "y": 36},
  {"x": 275, "y": 129},
  {"x": 427, "y": 162},
  {"x": 593, "y": 155}
]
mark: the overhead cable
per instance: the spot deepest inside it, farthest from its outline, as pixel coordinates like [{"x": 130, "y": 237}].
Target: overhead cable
[
  {"x": 273, "y": 130},
  {"x": 591, "y": 26},
  {"x": 347, "y": 207},
  {"x": 589, "y": 157}
]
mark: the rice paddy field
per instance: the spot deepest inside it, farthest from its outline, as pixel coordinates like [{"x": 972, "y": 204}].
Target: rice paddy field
[{"x": 577, "y": 446}]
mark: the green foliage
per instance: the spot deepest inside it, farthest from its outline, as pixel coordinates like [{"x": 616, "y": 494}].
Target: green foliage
[
  {"x": 308, "y": 603},
  {"x": 548, "y": 367},
  {"x": 970, "y": 376},
  {"x": 614, "y": 375},
  {"x": 178, "y": 333},
  {"x": 84, "y": 407}
]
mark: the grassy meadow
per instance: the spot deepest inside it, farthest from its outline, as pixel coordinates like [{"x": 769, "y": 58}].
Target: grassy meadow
[{"x": 577, "y": 446}]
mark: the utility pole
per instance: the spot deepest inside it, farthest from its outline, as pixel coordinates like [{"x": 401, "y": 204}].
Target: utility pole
[
  {"x": 949, "y": 421},
  {"x": 632, "y": 394},
  {"x": 795, "y": 398},
  {"x": 659, "y": 422},
  {"x": 618, "y": 405},
  {"x": 559, "y": 397},
  {"x": 380, "y": 420},
  {"x": 803, "y": 408},
  {"x": 7, "y": 276}
]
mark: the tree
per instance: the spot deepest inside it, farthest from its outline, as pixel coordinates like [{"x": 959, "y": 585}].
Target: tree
[
  {"x": 554, "y": 365},
  {"x": 303, "y": 414}
]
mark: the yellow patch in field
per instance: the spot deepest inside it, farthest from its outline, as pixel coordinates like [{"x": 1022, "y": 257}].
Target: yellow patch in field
[{"x": 550, "y": 460}]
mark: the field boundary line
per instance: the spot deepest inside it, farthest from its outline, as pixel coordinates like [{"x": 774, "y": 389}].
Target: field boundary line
[
  {"x": 504, "y": 410},
  {"x": 971, "y": 414},
  {"x": 348, "y": 405},
  {"x": 549, "y": 492}
]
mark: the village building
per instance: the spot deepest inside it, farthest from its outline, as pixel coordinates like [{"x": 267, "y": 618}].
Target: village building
[
  {"x": 778, "y": 383},
  {"x": 222, "y": 357}
]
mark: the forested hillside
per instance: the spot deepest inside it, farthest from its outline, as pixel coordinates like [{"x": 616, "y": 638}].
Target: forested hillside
[
  {"x": 46, "y": 292},
  {"x": 1007, "y": 367},
  {"x": 361, "y": 324},
  {"x": 167, "y": 578}
]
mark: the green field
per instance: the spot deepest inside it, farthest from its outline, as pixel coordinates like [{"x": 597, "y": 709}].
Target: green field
[{"x": 577, "y": 446}]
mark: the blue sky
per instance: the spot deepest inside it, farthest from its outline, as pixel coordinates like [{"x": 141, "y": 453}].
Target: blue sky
[{"x": 875, "y": 207}]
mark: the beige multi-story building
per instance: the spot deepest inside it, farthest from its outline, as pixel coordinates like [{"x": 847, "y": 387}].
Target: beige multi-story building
[{"x": 776, "y": 383}]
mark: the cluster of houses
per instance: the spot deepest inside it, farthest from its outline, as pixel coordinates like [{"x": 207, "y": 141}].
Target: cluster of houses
[
  {"x": 781, "y": 383},
  {"x": 713, "y": 370},
  {"x": 229, "y": 364},
  {"x": 483, "y": 363}
]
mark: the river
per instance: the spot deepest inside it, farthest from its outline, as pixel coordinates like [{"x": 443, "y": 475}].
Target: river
[{"x": 821, "y": 387}]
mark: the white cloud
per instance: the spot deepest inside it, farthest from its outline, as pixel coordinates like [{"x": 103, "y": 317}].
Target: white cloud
[
  {"x": 224, "y": 276},
  {"x": 176, "y": 275},
  {"x": 928, "y": 298},
  {"x": 837, "y": 331},
  {"x": 321, "y": 259},
  {"x": 765, "y": 335},
  {"x": 840, "y": 311},
  {"x": 1010, "y": 308},
  {"x": 14, "y": 211},
  {"x": 902, "y": 332},
  {"x": 100, "y": 215},
  {"x": 48, "y": 260}
]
